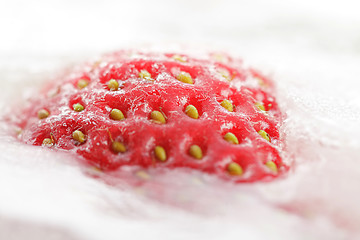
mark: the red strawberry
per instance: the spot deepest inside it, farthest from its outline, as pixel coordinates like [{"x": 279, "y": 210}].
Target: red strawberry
[{"x": 163, "y": 111}]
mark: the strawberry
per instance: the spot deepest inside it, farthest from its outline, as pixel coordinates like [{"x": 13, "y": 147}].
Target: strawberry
[{"x": 154, "y": 110}]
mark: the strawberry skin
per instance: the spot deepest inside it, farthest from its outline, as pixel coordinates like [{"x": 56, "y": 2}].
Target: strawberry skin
[{"x": 162, "y": 111}]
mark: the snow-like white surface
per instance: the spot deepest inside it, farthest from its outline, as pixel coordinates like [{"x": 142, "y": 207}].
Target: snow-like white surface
[{"x": 311, "y": 49}]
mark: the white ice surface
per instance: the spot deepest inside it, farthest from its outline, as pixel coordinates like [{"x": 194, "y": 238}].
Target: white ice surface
[{"x": 310, "y": 48}]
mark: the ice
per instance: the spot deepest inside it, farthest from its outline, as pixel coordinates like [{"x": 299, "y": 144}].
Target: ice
[{"x": 310, "y": 48}]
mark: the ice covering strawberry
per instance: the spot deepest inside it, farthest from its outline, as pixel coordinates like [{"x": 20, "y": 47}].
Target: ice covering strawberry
[{"x": 156, "y": 110}]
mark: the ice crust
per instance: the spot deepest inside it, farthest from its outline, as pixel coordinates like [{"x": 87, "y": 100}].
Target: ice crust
[{"x": 311, "y": 52}]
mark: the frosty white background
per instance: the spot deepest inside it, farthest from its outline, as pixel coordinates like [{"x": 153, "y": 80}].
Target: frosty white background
[{"x": 310, "y": 48}]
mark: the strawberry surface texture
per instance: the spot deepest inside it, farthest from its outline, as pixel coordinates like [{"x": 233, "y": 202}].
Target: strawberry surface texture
[{"x": 162, "y": 110}]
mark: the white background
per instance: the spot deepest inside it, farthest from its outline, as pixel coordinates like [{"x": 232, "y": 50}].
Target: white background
[{"x": 310, "y": 48}]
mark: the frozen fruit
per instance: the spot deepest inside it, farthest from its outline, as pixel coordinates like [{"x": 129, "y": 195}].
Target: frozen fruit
[{"x": 154, "y": 110}]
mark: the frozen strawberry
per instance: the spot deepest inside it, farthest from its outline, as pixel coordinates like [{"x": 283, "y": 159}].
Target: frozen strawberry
[{"x": 154, "y": 110}]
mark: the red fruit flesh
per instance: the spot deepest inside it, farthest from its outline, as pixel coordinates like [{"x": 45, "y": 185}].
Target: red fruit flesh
[{"x": 137, "y": 96}]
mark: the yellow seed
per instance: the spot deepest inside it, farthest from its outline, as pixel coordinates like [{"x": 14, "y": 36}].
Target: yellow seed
[
  {"x": 158, "y": 117},
  {"x": 116, "y": 114},
  {"x": 94, "y": 170},
  {"x": 225, "y": 74},
  {"x": 143, "y": 175},
  {"x": 118, "y": 147},
  {"x": 196, "y": 152},
  {"x": 185, "y": 78},
  {"x": 231, "y": 138},
  {"x": 43, "y": 114},
  {"x": 197, "y": 181},
  {"x": 179, "y": 58},
  {"x": 192, "y": 112},
  {"x": 95, "y": 65},
  {"x": 78, "y": 107},
  {"x": 260, "y": 106},
  {"x": 219, "y": 57},
  {"x": 47, "y": 142},
  {"x": 234, "y": 169},
  {"x": 113, "y": 85},
  {"x": 82, "y": 83},
  {"x": 79, "y": 136},
  {"x": 261, "y": 82},
  {"x": 145, "y": 75},
  {"x": 264, "y": 134},
  {"x": 160, "y": 153},
  {"x": 272, "y": 166},
  {"x": 227, "y": 105},
  {"x": 18, "y": 131}
]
